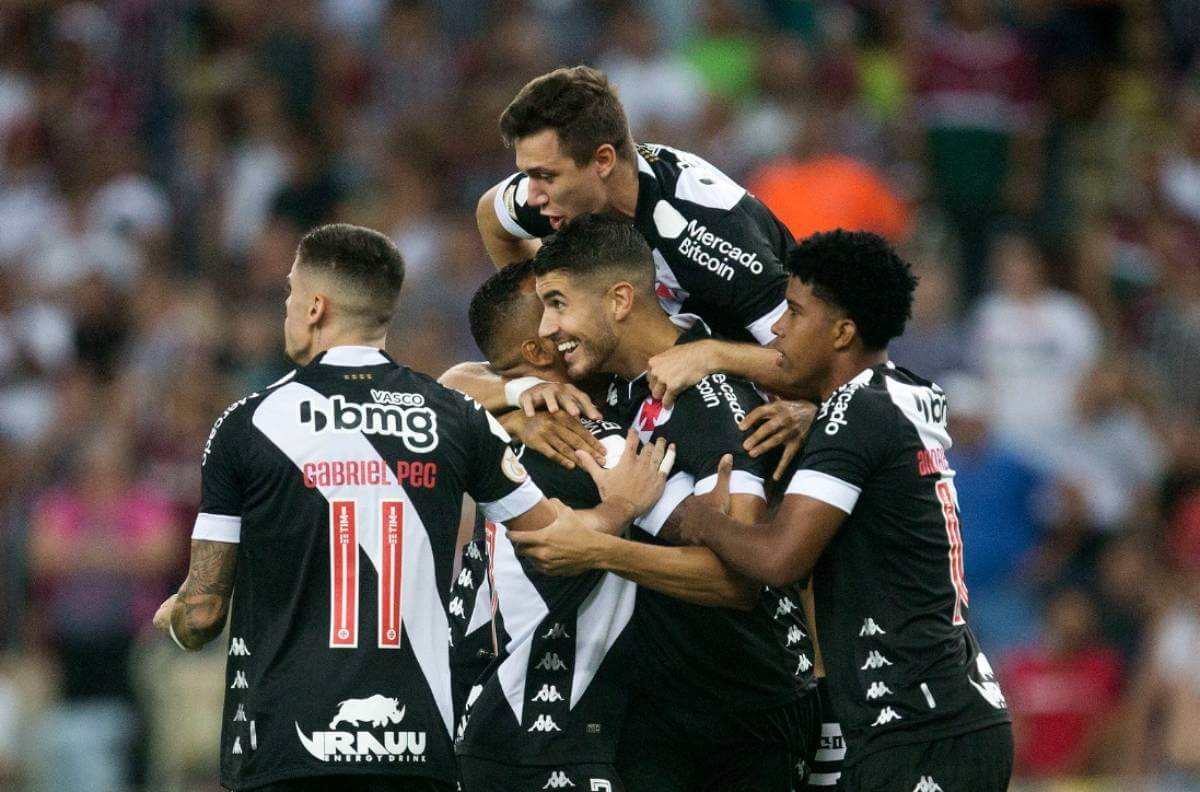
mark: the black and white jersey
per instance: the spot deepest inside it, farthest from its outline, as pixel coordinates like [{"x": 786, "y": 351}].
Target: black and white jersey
[
  {"x": 558, "y": 694},
  {"x": 718, "y": 251},
  {"x": 476, "y": 629},
  {"x": 700, "y": 657},
  {"x": 890, "y": 596},
  {"x": 343, "y": 486}
]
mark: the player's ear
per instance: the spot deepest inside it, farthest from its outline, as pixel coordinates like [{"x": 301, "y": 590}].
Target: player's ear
[
  {"x": 605, "y": 159},
  {"x": 318, "y": 308},
  {"x": 620, "y": 299},
  {"x": 844, "y": 333},
  {"x": 537, "y": 352}
]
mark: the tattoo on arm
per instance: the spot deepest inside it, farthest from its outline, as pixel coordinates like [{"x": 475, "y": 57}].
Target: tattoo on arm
[{"x": 202, "y": 604}]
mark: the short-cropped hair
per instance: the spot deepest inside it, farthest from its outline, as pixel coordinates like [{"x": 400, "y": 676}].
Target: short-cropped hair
[
  {"x": 598, "y": 248},
  {"x": 493, "y": 303},
  {"x": 363, "y": 260}
]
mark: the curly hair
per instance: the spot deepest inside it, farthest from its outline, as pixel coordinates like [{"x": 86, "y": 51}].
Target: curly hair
[
  {"x": 492, "y": 304},
  {"x": 861, "y": 274}
]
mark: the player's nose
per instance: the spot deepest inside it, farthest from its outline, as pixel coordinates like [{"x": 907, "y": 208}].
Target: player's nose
[{"x": 548, "y": 327}]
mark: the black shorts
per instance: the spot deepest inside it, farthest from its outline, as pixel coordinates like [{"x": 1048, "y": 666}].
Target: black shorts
[
  {"x": 484, "y": 775},
  {"x": 822, "y": 774},
  {"x": 670, "y": 749},
  {"x": 357, "y": 783},
  {"x": 980, "y": 761}
]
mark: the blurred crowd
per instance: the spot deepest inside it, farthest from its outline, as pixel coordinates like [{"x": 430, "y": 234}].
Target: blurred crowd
[{"x": 1037, "y": 160}]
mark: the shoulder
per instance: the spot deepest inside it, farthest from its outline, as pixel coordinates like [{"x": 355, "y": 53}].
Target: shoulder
[
  {"x": 237, "y": 417},
  {"x": 862, "y": 404},
  {"x": 688, "y": 179},
  {"x": 718, "y": 398}
]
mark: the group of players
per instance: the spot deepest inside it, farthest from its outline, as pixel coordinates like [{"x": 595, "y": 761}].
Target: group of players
[{"x": 669, "y": 588}]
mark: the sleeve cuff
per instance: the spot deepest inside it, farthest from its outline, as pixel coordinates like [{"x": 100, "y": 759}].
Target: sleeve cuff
[
  {"x": 679, "y": 487},
  {"x": 740, "y": 483},
  {"x": 502, "y": 214},
  {"x": 515, "y": 503},
  {"x": 825, "y": 488},
  {"x": 218, "y": 528},
  {"x": 760, "y": 328}
]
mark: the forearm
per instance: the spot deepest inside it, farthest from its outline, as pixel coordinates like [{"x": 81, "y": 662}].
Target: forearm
[
  {"x": 202, "y": 604},
  {"x": 755, "y": 550},
  {"x": 756, "y": 363},
  {"x": 691, "y": 574},
  {"x": 610, "y": 517},
  {"x": 478, "y": 381}
]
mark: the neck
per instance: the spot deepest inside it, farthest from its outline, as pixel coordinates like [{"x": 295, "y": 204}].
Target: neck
[
  {"x": 329, "y": 338},
  {"x": 623, "y": 189},
  {"x": 847, "y": 367},
  {"x": 527, "y": 369},
  {"x": 645, "y": 336}
]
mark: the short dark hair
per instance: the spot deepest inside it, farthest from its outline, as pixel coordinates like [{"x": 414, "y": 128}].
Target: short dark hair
[
  {"x": 362, "y": 259},
  {"x": 493, "y": 303},
  {"x": 580, "y": 104},
  {"x": 861, "y": 274},
  {"x": 594, "y": 246}
]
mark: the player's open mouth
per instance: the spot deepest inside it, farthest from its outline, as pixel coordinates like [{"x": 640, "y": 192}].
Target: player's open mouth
[
  {"x": 556, "y": 221},
  {"x": 565, "y": 349}
]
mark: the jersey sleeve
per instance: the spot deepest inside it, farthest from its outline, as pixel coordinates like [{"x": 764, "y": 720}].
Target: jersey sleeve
[
  {"x": 514, "y": 212},
  {"x": 221, "y": 480},
  {"x": 495, "y": 477},
  {"x": 719, "y": 403},
  {"x": 851, "y": 438}
]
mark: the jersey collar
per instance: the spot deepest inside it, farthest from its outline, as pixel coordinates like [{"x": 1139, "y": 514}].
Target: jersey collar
[{"x": 353, "y": 356}]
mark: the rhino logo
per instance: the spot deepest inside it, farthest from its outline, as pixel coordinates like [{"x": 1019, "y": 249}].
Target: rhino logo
[{"x": 379, "y": 710}]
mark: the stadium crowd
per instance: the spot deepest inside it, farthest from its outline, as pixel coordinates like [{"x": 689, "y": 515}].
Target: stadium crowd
[{"x": 1037, "y": 160}]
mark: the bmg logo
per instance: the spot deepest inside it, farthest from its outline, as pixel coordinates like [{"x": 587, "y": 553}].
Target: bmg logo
[{"x": 415, "y": 426}]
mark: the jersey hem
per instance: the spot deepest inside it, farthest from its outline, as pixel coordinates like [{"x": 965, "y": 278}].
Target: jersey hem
[
  {"x": 249, "y": 785},
  {"x": 914, "y": 736}
]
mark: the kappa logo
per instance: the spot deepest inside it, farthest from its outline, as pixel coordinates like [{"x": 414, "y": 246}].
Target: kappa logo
[
  {"x": 804, "y": 665},
  {"x": 237, "y": 746},
  {"x": 551, "y": 662},
  {"x": 237, "y": 648},
  {"x": 878, "y": 690},
  {"x": 456, "y": 608},
  {"x": 544, "y": 723},
  {"x": 239, "y": 681},
  {"x": 548, "y": 694},
  {"x": 875, "y": 661},
  {"x": 473, "y": 552},
  {"x": 415, "y": 426},
  {"x": 466, "y": 579},
  {"x": 794, "y": 635},
  {"x": 557, "y": 631},
  {"x": 784, "y": 607},
  {"x": 988, "y": 687},
  {"x": 612, "y": 398},
  {"x": 363, "y": 746},
  {"x": 886, "y": 716},
  {"x": 558, "y": 780},
  {"x": 240, "y": 715},
  {"x": 927, "y": 784},
  {"x": 870, "y": 628}
]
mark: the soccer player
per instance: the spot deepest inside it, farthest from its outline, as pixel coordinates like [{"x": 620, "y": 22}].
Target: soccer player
[
  {"x": 330, "y": 504},
  {"x": 718, "y": 251},
  {"x": 725, "y": 696},
  {"x": 548, "y": 716},
  {"x": 872, "y": 513}
]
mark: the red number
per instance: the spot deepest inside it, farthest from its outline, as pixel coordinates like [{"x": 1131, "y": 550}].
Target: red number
[
  {"x": 946, "y": 495},
  {"x": 344, "y": 573}
]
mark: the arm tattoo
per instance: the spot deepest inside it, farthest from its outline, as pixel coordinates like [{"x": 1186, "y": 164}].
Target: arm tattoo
[{"x": 203, "y": 600}]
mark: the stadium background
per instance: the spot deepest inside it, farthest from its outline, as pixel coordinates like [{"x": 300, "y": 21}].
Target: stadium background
[{"x": 1038, "y": 161}]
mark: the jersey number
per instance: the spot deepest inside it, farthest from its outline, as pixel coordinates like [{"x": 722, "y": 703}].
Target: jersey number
[
  {"x": 946, "y": 495},
  {"x": 344, "y": 574}
]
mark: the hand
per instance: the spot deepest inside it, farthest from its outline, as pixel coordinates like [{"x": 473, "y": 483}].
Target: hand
[
  {"x": 555, "y": 396},
  {"x": 784, "y": 423},
  {"x": 564, "y": 547},
  {"x": 162, "y": 617},
  {"x": 679, "y": 368},
  {"x": 691, "y": 529},
  {"x": 638, "y": 478},
  {"x": 554, "y": 435}
]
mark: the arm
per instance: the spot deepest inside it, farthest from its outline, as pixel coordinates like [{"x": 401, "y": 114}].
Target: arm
[
  {"x": 501, "y": 246},
  {"x": 477, "y": 380},
  {"x": 196, "y": 614},
  {"x": 678, "y": 368},
  {"x": 776, "y": 553}
]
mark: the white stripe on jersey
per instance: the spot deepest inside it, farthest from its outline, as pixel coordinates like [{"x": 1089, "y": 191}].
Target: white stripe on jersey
[
  {"x": 502, "y": 214},
  {"x": 825, "y": 488},
  {"x": 218, "y": 528},
  {"x": 740, "y": 483},
  {"x": 424, "y": 615},
  {"x": 599, "y": 622},
  {"x": 481, "y": 615},
  {"x": 701, "y": 183},
  {"x": 760, "y": 328},
  {"x": 679, "y": 486},
  {"x": 906, "y": 397},
  {"x": 523, "y": 609}
]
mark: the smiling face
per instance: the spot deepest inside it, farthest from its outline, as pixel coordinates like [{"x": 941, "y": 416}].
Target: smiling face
[
  {"x": 575, "y": 320},
  {"x": 806, "y": 338},
  {"x": 558, "y": 187}
]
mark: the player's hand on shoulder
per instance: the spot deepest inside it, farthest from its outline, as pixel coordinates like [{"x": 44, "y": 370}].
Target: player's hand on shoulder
[
  {"x": 564, "y": 547},
  {"x": 672, "y": 372},
  {"x": 638, "y": 478},
  {"x": 698, "y": 506},
  {"x": 555, "y": 396},
  {"x": 780, "y": 424},
  {"x": 555, "y": 435}
]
